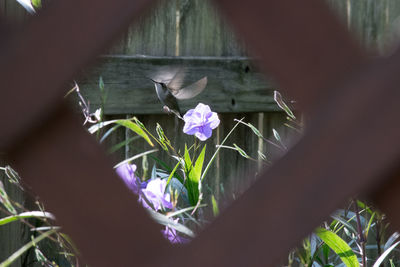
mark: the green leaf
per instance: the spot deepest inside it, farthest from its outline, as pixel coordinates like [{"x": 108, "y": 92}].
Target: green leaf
[
  {"x": 135, "y": 128},
  {"x": 164, "y": 142},
  {"x": 193, "y": 174},
  {"x": 36, "y": 3},
  {"x": 25, "y": 248},
  {"x": 325, "y": 252},
  {"x": 5, "y": 200},
  {"x": 179, "y": 212},
  {"x": 391, "y": 240},
  {"x": 189, "y": 181},
  {"x": 218, "y": 148},
  {"x": 101, "y": 84},
  {"x": 40, "y": 257},
  {"x": 369, "y": 224},
  {"x": 261, "y": 155},
  {"x": 214, "y": 206},
  {"x": 345, "y": 223},
  {"x": 198, "y": 167},
  {"x": 164, "y": 220},
  {"x": 276, "y": 135},
  {"x": 25, "y": 215},
  {"x": 122, "y": 144},
  {"x": 384, "y": 255},
  {"x": 241, "y": 151},
  {"x": 136, "y": 157},
  {"x": 278, "y": 99},
  {"x": 364, "y": 206},
  {"x": 254, "y": 129},
  {"x": 95, "y": 127},
  {"x": 166, "y": 167},
  {"x": 339, "y": 246},
  {"x": 172, "y": 173},
  {"x": 108, "y": 133},
  {"x": 12, "y": 175}
]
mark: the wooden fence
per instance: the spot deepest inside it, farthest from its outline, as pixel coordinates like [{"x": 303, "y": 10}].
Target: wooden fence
[{"x": 193, "y": 31}]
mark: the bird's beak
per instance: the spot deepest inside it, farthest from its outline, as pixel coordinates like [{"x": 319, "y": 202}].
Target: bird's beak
[{"x": 151, "y": 80}]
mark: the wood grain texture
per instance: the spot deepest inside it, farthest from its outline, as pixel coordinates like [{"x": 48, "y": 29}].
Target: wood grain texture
[
  {"x": 254, "y": 198},
  {"x": 234, "y": 85},
  {"x": 198, "y": 31},
  {"x": 12, "y": 11}
]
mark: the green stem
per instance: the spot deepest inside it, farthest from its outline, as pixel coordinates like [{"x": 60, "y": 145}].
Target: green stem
[{"x": 25, "y": 248}]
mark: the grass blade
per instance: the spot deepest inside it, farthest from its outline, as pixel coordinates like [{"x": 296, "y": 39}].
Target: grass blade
[
  {"x": 25, "y": 248},
  {"x": 339, "y": 246},
  {"x": 26, "y": 215},
  {"x": 135, "y": 157},
  {"x": 384, "y": 255}
]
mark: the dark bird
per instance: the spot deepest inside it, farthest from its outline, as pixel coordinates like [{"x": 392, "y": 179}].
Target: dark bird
[{"x": 169, "y": 88}]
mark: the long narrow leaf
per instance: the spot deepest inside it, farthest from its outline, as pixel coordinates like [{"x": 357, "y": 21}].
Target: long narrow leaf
[
  {"x": 279, "y": 100},
  {"x": 178, "y": 212},
  {"x": 108, "y": 133},
  {"x": 164, "y": 220},
  {"x": 172, "y": 173},
  {"x": 94, "y": 128},
  {"x": 26, "y": 215},
  {"x": 198, "y": 167},
  {"x": 345, "y": 223},
  {"x": 135, "y": 128},
  {"x": 135, "y": 157},
  {"x": 339, "y": 246},
  {"x": 25, "y": 248},
  {"x": 5, "y": 199},
  {"x": 218, "y": 148},
  {"x": 391, "y": 240},
  {"x": 384, "y": 255},
  {"x": 166, "y": 167},
  {"x": 126, "y": 123},
  {"x": 122, "y": 144},
  {"x": 190, "y": 182},
  {"x": 369, "y": 224},
  {"x": 214, "y": 206}
]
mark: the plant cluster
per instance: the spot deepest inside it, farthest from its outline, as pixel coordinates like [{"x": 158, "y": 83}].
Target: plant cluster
[{"x": 174, "y": 195}]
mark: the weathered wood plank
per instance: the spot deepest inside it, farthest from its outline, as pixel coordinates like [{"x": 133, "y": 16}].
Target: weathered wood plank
[
  {"x": 152, "y": 35},
  {"x": 180, "y": 28},
  {"x": 203, "y": 32},
  {"x": 13, "y": 11},
  {"x": 233, "y": 84}
]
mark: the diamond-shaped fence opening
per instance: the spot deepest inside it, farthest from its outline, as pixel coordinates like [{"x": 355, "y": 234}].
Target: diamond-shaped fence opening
[{"x": 309, "y": 54}]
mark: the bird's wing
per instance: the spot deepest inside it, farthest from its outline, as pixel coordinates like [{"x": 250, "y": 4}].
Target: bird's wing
[
  {"x": 191, "y": 90},
  {"x": 165, "y": 74},
  {"x": 175, "y": 84}
]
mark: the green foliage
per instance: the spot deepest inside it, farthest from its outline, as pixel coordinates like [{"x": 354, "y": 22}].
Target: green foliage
[
  {"x": 36, "y": 3},
  {"x": 26, "y": 215},
  {"x": 25, "y": 248},
  {"x": 214, "y": 206},
  {"x": 5, "y": 200},
  {"x": 193, "y": 174},
  {"x": 385, "y": 255},
  {"x": 133, "y": 126},
  {"x": 339, "y": 246},
  {"x": 279, "y": 101}
]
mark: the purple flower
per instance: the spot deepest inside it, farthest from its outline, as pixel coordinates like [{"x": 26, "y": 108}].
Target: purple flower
[
  {"x": 173, "y": 237},
  {"x": 127, "y": 173},
  {"x": 155, "y": 194},
  {"x": 200, "y": 122}
]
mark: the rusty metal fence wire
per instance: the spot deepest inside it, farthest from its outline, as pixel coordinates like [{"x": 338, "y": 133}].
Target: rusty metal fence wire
[{"x": 300, "y": 43}]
